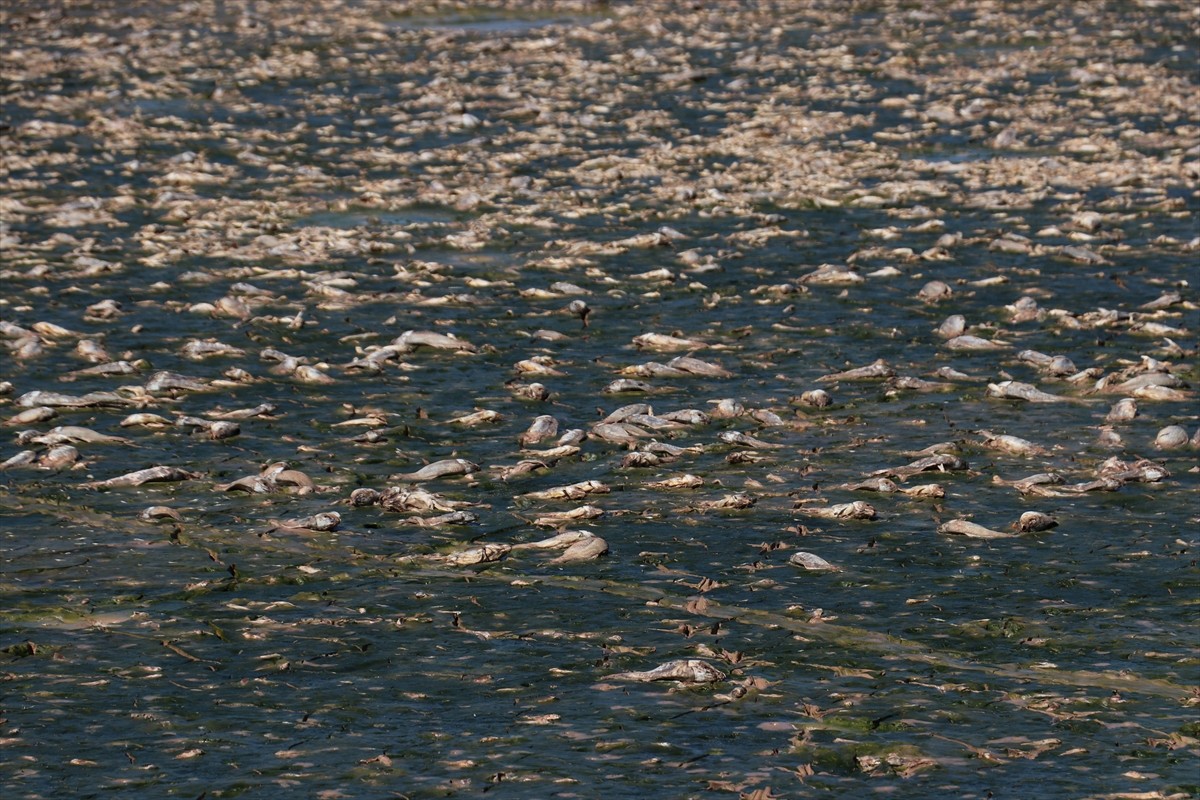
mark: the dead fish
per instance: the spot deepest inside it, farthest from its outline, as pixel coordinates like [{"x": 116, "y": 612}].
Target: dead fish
[
  {"x": 561, "y": 518},
  {"x": 816, "y": 398},
  {"x": 481, "y": 417},
  {"x": 942, "y": 462},
  {"x": 734, "y": 501},
  {"x": 655, "y": 423},
  {"x": 1015, "y": 390},
  {"x": 1141, "y": 471},
  {"x": 103, "y": 311},
  {"x": 410, "y": 340},
  {"x": 925, "y": 491},
  {"x": 952, "y": 326},
  {"x": 743, "y": 440},
  {"x": 296, "y": 478},
  {"x": 160, "y": 473},
  {"x": 726, "y": 408},
  {"x": 197, "y": 350},
  {"x": 691, "y": 670},
  {"x": 1171, "y": 437},
  {"x": 311, "y": 375},
  {"x": 450, "y": 518},
  {"x": 363, "y": 497},
  {"x": 215, "y": 430},
  {"x": 145, "y": 420},
  {"x": 324, "y": 521},
  {"x": 587, "y": 549},
  {"x": 952, "y": 374},
  {"x": 886, "y": 486},
  {"x": 374, "y": 360},
  {"x": 543, "y": 427},
  {"x": 1011, "y": 444},
  {"x": 661, "y": 342},
  {"x": 232, "y": 307},
  {"x": 961, "y": 527},
  {"x": 1084, "y": 376},
  {"x": 554, "y": 453},
  {"x": 32, "y": 416},
  {"x": 687, "y": 416},
  {"x": 855, "y": 510},
  {"x": 672, "y": 450},
  {"x": 438, "y": 469},
  {"x": 831, "y": 275},
  {"x": 559, "y": 541},
  {"x": 951, "y": 447},
  {"x": 260, "y": 410},
  {"x": 619, "y": 432},
  {"x": 812, "y": 562},
  {"x": 159, "y": 514},
  {"x": 1052, "y": 365},
  {"x": 685, "y": 481},
  {"x": 92, "y": 351},
  {"x": 640, "y": 459},
  {"x": 1162, "y": 394},
  {"x": 579, "y": 309},
  {"x": 876, "y": 370},
  {"x": 21, "y": 459},
  {"x": 75, "y": 433},
  {"x": 1031, "y": 484},
  {"x": 1140, "y": 381},
  {"x": 27, "y": 349},
  {"x": 52, "y": 331},
  {"x": 574, "y": 491},
  {"x": 625, "y": 412},
  {"x": 765, "y": 416},
  {"x": 695, "y": 366},
  {"x": 57, "y": 400},
  {"x": 400, "y": 499},
  {"x": 968, "y": 342},
  {"x": 653, "y": 369},
  {"x": 164, "y": 380},
  {"x": 538, "y": 365},
  {"x": 533, "y": 391},
  {"x": 1098, "y": 485},
  {"x": 108, "y": 368},
  {"x": 1123, "y": 410},
  {"x": 1165, "y": 300},
  {"x": 935, "y": 292},
  {"x": 59, "y": 457},
  {"x": 483, "y": 554},
  {"x": 907, "y": 383},
  {"x": 883, "y": 485},
  {"x": 627, "y": 385},
  {"x": 526, "y": 466},
  {"x": 251, "y": 484},
  {"x": 1084, "y": 255},
  {"x": 1034, "y": 521}
]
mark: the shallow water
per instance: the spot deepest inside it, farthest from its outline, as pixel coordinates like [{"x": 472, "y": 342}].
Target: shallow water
[{"x": 221, "y": 655}]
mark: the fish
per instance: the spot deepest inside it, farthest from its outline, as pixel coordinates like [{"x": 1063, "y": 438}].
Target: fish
[
  {"x": 690, "y": 670},
  {"x": 1015, "y": 390},
  {"x": 811, "y": 562},
  {"x": 962, "y": 527},
  {"x": 445, "y": 468},
  {"x": 855, "y": 510},
  {"x": 574, "y": 491},
  {"x": 157, "y": 474}
]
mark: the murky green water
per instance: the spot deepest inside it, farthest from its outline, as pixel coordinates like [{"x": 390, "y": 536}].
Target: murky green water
[{"x": 320, "y": 161}]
